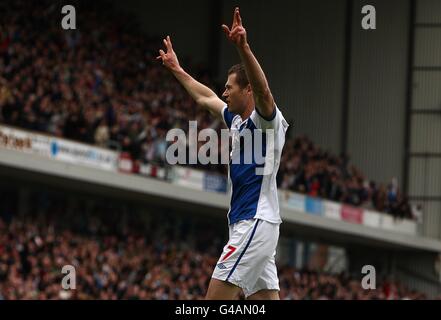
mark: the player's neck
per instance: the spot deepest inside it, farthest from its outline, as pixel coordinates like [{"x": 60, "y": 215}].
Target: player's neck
[{"x": 247, "y": 112}]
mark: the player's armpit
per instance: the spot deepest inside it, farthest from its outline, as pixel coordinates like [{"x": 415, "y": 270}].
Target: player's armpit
[{"x": 265, "y": 104}]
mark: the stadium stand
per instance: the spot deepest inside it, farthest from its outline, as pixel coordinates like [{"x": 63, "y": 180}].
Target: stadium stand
[
  {"x": 121, "y": 253},
  {"x": 101, "y": 85}
]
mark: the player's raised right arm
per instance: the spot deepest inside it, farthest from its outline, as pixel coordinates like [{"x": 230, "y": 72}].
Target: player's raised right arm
[{"x": 203, "y": 95}]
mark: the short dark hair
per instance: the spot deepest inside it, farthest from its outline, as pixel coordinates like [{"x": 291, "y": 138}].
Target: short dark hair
[{"x": 241, "y": 75}]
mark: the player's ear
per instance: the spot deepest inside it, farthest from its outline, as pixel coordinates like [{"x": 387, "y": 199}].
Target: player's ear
[{"x": 249, "y": 90}]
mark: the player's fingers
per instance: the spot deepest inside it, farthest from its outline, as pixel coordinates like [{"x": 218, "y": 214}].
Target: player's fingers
[
  {"x": 238, "y": 18},
  {"x": 226, "y": 29},
  {"x": 165, "y": 43},
  {"x": 234, "y": 16},
  {"x": 169, "y": 44},
  {"x": 161, "y": 56},
  {"x": 240, "y": 31},
  {"x": 235, "y": 21},
  {"x": 235, "y": 32}
]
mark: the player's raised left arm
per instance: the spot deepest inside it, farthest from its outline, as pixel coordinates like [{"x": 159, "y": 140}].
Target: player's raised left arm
[{"x": 262, "y": 94}]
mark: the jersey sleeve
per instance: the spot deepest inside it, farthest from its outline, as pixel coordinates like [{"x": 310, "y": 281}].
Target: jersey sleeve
[
  {"x": 275, "y": 122},
  {"x": 227, "y": 116}
]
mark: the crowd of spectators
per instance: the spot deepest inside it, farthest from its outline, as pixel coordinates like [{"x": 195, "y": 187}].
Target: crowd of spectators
[
  {"x": 107, "y": 266},
  {"x": 122, "y": 253},
  {"x": 308, "y": 169},
  {"x": 101, "y": 84}
]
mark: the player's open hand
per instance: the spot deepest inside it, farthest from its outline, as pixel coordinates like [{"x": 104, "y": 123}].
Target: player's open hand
[
  {"x": 169, "y": 58},
  {"x": 237, "y": 34}
]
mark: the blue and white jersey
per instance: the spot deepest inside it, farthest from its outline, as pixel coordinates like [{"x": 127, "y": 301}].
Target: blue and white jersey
[{"x": 255, "y": 195}]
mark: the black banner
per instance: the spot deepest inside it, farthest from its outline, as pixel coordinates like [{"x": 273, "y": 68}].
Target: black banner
[{"x": 216, "y": 309}]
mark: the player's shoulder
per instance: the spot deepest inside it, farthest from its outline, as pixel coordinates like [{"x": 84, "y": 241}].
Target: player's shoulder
[{"x": 276, "y": 119}]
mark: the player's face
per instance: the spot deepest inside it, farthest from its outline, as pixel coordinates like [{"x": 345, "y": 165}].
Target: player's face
[{"x": 235, "y": 96}]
